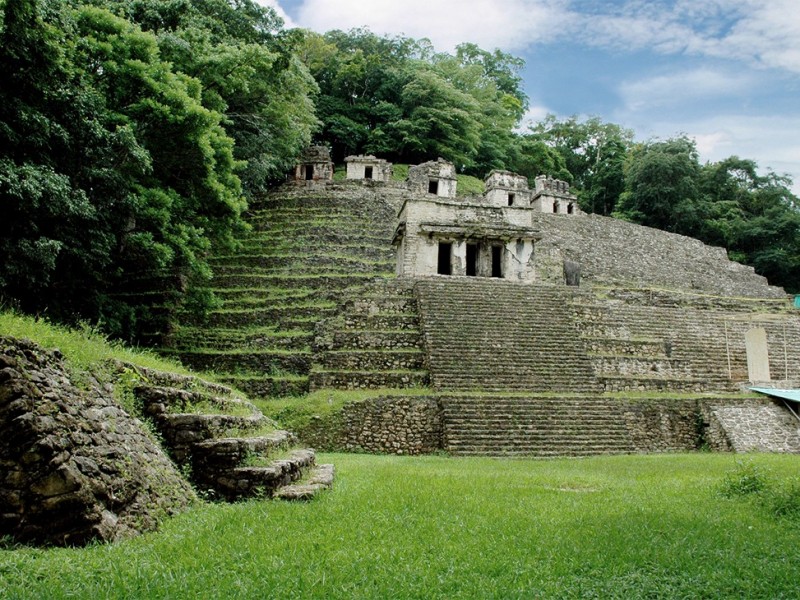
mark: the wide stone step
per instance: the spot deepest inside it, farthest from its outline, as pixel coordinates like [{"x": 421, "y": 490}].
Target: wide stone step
[
  {"x": 264, "y": 361},
  {"x": 240, "y": 339},
  {"x": 537, "y": 452},
  {"x": 180, "y": 431},
  {"x": 267, "y": 386},
  {"x": 266, "y": 316},
  {"x": 363, "y": 258},
  {"x": 321, "y": 266},
  {"x": 551, "y": 442},
  {"x": 376, "y": 339},
  {"x": 230, "y": 452},
  {"x": 249, "y": 482},
  {"x": 326, "y": 281},
  {"x": 365, "y": 360},
  {"x": 317, "y": 238},
  {"x": 353, "y": 380},
  {"x": 320, "y": 478},
  {"x": 157, "y": 400}
]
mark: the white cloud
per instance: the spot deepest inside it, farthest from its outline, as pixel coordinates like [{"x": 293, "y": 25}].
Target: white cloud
[
  {"x": 509, "y": 25},
  {"x": 683, "y": 87},
  {"x": 762, "y": 33},
  {"x": 533, "y": 115},
  {"x": 288, "y": 22}
]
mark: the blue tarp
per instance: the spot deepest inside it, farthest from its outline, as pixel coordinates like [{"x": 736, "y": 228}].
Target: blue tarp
[
  {"x": 793, "y": 395},
  {"x": 797, "y": 301}
]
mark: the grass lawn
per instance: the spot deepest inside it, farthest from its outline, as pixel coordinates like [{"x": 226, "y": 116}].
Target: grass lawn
[{"x": 437, "y": 527}]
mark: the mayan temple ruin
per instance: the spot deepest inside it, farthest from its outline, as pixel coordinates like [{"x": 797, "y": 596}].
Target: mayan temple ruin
[{"x": 505, "y": 323}]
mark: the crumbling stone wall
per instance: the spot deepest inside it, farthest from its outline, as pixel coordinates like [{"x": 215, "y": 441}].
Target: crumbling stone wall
[
  {"x": 75, "y": 466},
  {"x": 401, "y": 425},
  {"x": 615, "y": 252},
  {"x": 368, "y": 168},
  {"x": 440, "y": 171},
  {"x": 757, "y": 425},
  {"x": 416, "y": 425}
]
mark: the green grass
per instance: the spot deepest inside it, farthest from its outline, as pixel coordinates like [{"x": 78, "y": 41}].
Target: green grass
[
  {"x": 433, "y": 527},
  {"x": 399, "y": 172},
  {"x": 467, "y": 185},
  {"x": 83, "y": 347},
  {"x": 297, "y": 411}
]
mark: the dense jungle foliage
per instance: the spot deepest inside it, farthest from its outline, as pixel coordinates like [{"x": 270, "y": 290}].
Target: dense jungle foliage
[{"x": 132, "y": 133}]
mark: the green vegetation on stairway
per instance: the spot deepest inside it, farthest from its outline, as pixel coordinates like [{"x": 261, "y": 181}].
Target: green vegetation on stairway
[
  {"x": 208, "y": 430},
  {"x": 308, "y": 252},
  {"x": 604, "y": 527}
]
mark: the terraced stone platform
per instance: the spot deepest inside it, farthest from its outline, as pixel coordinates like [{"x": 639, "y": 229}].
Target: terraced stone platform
[
  {"x": 308, "y": 252},
  {"x": 310, "y": 302}
]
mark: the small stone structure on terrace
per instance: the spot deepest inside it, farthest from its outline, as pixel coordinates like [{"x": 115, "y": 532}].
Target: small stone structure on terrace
[
  {"x": 314, "y": 165},
  {"x": 436, "y": 177},
  {"x": 368, "y": 168},
  {"x": 504, "y": 188},
  {"x": 553, "y": 196}
]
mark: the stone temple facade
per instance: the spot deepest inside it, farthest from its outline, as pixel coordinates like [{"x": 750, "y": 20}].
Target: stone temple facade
[
  {"x": 488, "y": 236},
  {"x": 553, "y": 196},
  {"x": 437, "y": 177},
  {"x": 314, "y": 165},
  {"x": 368, "y": 168}
]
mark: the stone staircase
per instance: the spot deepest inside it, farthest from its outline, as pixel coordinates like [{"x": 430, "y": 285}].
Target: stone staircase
[
  {"x": 307, "y": 251},
  {"x": 496, "y": 336},
  {"x": 534, "y": 426},
  {"x": 224, "y": 444},
  {"x": 374, "y": 342}
]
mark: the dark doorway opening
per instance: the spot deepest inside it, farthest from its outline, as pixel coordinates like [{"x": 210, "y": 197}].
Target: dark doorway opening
[
  {"x": 570, "y": 208},
  {"x": 309, "y": 172},
  {"x": 433, "y": 186},
  {"x": 367, "y": 172},
  {"x": 445, "y": 266},
  {"x": 511, "y": 199},
  {"x": 472, "y": 260},
  {"x": 555, "y": 207},
  {"x": 497, "y": 261}
]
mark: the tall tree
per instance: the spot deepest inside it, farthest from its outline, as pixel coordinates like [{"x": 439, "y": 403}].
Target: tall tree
[
  {"x": 594, "y": 153},
  {"x": 249, "y": 71},
  {"x": 112, "y": 172},
  {"x": 397, "y": 97},
  {"x": 662, "y": 186}
]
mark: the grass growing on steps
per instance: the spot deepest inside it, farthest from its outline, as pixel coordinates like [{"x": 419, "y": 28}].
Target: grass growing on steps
[
  {"x": 83, "y": 347},
  {"x": 398, "y": 527},
  {"x": 294, "y": 413}
]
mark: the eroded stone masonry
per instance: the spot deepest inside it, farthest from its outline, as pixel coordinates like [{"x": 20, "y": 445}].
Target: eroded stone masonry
[{"x": 517, "y": 291}]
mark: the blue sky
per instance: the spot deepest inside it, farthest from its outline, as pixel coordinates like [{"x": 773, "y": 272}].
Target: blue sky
[{"x": 725, "y": 72}]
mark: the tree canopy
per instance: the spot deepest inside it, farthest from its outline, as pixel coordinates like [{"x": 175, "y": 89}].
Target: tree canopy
[{"x": 132, "y": 131}]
